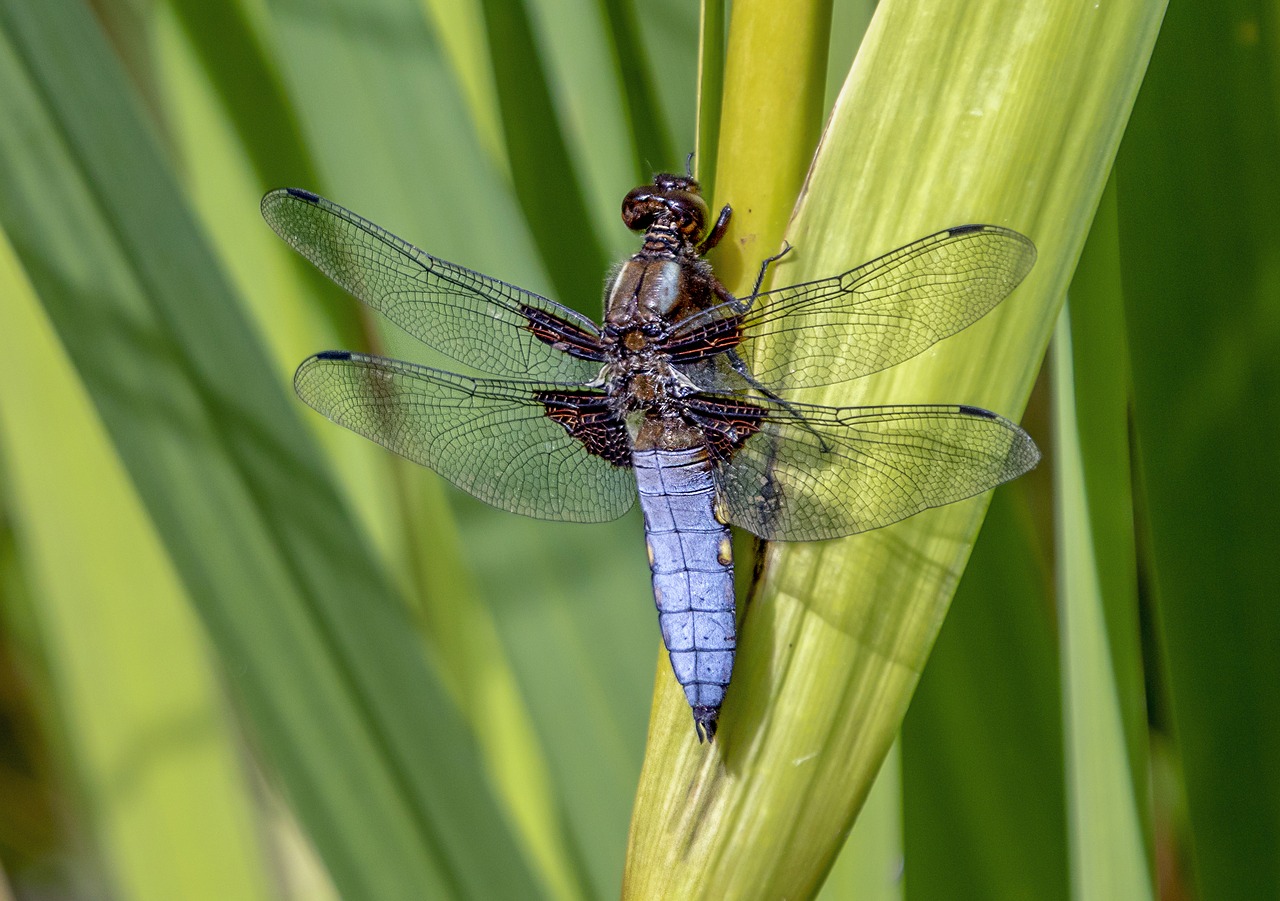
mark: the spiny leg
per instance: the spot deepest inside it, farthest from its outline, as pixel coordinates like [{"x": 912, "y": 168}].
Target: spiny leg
[
  {"x": 740, "y": 366},
  {"x": 764, "y": 267},
  {"x": 743, "y": 305}
]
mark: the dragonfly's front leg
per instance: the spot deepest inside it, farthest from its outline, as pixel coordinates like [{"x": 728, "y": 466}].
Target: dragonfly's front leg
[
  {"x": 740, "y": 366},
  {"x": 717, "y": 231},
  {"x": 743, "y": 305},
  {"x": 764, "y": 267}
]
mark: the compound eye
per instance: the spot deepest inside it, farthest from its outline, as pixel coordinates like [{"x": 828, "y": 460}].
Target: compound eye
[
  {"x": 690, "y": 213},
  {"x": 640, "y": 208}
]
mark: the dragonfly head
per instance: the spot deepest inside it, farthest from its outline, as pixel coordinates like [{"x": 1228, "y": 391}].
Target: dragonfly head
[{"x": 672, "y": 202}]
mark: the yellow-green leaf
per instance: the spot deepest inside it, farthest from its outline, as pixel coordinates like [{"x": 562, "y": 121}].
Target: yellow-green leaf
[{"x": 996, "y": 112}]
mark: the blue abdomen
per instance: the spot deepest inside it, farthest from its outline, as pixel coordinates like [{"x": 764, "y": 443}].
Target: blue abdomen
[{"x": 692, "y": 563}]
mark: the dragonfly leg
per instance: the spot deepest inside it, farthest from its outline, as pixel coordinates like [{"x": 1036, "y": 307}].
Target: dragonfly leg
[
  {"x": 764, "y": 267},
  {"x": 743, "y": 305},
  {"x": 740, "y": 366},
  {"x": 717, "y": 231}
]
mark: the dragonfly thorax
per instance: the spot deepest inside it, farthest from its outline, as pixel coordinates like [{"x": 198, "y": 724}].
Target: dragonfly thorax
[
  {"x": 651, "y": 295},
  {"x": 646, "y": 382}
]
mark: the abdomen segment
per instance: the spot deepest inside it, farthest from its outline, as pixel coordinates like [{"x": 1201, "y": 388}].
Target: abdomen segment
[{"x": 692, "y": 563}]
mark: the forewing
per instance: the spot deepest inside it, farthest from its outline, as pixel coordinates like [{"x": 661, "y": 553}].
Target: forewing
[
  {"x": 482, "y": 322},
  {"x": 493, "y": 438},
  {"x": 883, "y": 312},
  {"x": 811, "y": 473}
]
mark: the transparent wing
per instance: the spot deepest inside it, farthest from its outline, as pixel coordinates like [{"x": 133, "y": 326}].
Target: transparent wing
[
  {"x": 879, "y": 314},
  {"x": 812, "y": 473},
  {"x": 491, "y": 437},
  {"x": 479, "y": 321}
]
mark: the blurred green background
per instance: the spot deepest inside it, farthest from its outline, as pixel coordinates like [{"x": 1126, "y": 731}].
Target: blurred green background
[{"x": 245, "y": 654}]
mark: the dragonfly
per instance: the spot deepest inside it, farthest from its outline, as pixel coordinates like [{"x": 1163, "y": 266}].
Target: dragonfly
[{"x": 569, "y": 420}]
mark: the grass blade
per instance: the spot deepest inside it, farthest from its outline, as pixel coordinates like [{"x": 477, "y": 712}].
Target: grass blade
[
  {"x": 1108, "y": 853},
  {"x": 711, "y": 50},
  {"x": 545, "y": 179},
  {"x": 649, "y": 131},
  {"x": 983, "y": 791},
  {"x": 1197, "y": 201},
  {"x": 390, "y": 792},
  {"x": 1104, "y": 702},
  {"x": 155, "y": 763}
]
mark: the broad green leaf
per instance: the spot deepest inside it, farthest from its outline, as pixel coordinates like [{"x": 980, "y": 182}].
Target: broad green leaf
[
  {"x": 305, "y": 621},
  {"x": 983, "y": 794},
  {"x": 849, "y": 21},
  {"x": 1108, "y": 855},
  {"x": 1103, "y": 700},
  {"x": 870, "y": 866},
  {"x": 1200, "y": 252},
  {"x": 1018, "y": 128},
  {"x": 155, "y": 763}
]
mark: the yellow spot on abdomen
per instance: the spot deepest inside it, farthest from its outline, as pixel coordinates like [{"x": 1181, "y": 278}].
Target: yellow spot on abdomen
[{"x": 725, "y": 553}]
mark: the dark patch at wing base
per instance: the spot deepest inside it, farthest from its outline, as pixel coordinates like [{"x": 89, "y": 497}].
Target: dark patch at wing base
[
  {"x": 562, "y": 335},
  {"x": 586, "y": 416},
  {"x": 726, "y": 423},
  {"x": 715, "y": 337}
]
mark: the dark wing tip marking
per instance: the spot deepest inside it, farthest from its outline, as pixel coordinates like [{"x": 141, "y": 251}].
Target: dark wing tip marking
[
  {"x": 973, "y": 228},
  {"x": 303, "y": 195},
  {"x": 1023, "y": 453},
  {"x": 333, "y": 355}
]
